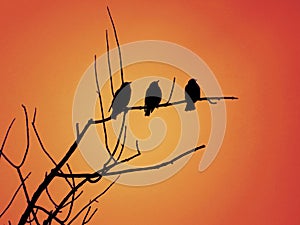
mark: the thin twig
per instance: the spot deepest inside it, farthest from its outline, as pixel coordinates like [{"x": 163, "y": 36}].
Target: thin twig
[
  {"x": 3, "y": 144},
  {"x": 6, "y": 135},
  {"x": 132, "y": 157},
  {"x": 42, "y": 145},
  {"x": 93, "y": 200},
  {"x": 76, "y": 197},
  {"x": 49, "y": 196},
  {"x": 65, "y": 199},
  {"x": 172, "y": 89},
  {"x": 77, "y": 129},
  {"x": 122, "y": 145},
  {"x": 27, "y": 138},
  {"x": 73, "y": 196},
  {"x": 118, "y": 44},
  {"x": 86, "y": 214},
  {"x": 48, "y": 213},
  {"x": 118, "y": 141},
  {"x": 154, "y": 167},
  {"x": 109, "y": 65},
  {"x": 13, "y": 197},
  {"x": 52, "y": 175},
  {"x": 104, "y": 171},
  {"x": 101, "y": 107},
  {"x": 26, "y": 193},
  {"x": 85, "y": 221}
]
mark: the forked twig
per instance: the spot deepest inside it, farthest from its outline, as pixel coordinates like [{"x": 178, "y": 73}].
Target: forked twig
[
  {"x": 93, "y": 200},
  {"x": 13, "y": 197}
]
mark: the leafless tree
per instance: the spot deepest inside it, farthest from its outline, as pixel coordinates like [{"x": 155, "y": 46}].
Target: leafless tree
[{"x": 34, "y": 212}]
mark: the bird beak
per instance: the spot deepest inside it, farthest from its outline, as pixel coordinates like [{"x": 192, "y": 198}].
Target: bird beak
[{"x": 157, "y": 81}]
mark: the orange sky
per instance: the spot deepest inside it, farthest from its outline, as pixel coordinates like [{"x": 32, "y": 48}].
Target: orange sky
[{"x": 252, "y": 48}]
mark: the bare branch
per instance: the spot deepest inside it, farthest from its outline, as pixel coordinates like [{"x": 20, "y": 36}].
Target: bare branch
[
  {"x": 77, "y": 129},
  {"x": 93, "y": 200},
  {"x": 172, "y": 89},
  {"x": 6, "y": 136},
  {"x": 53, "y": 174},
  {"x": 76, "y": 197},
  {"x": 42, "y": 145},
  {"x": 48, "y": 213},
  {"x": 13, "y": 197},
  {"x": 73, "y": 197},
  {"x": 27, "y": 138},
  {"x": 26, "y": 193},
  {"x": 153, "y": 167},
  {"x": 3, "y": 144},
  {"x": 118, "y": 44},
  {"x": 86, "y": 214},
  {"x": 40, "y": 140},
  {"x": 118, "y": 141},
  {"x": 85, "y": 220},
  {"x": 122, "y": 145},
  {"x": 132, "y": 157},
  {"x": 104, "y": 171},
  {"x": 49, "y": 196},
  {"x": 101, "y": 107},
  {"x": 65, "y": 199},
  {"x": 209, "y": 99},
  {"x": 109, "y": 65}
]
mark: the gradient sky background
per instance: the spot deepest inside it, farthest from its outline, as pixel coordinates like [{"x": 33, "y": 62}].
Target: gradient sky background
[{"x": 252, "y": 48}]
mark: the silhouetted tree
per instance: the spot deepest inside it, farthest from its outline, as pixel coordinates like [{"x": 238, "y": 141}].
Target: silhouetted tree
[{"x": 34, "y": 213}]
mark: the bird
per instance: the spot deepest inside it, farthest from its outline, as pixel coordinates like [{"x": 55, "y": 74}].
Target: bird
[
  {"x": 152, "y": 98},
  {"x": 192, "y": 94},
  {"x": 120, "y": 100}
]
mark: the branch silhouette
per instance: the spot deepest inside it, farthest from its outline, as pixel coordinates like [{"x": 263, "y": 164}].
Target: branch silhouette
[{"x": 66, "y": 204}]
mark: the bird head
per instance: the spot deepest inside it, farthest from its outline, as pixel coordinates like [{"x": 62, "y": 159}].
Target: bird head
[
  {"x": 192, "y": 81},
  {"x": 126, "y": 83}
]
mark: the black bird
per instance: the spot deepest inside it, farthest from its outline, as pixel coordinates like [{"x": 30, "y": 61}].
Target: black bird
[
  {"x": 153, "y": 98},
  {"x": 121, "y": 99},
  {"x": 192, "y": 94}
]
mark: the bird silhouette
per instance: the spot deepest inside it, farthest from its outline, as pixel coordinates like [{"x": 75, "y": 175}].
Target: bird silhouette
[
  {"x": 121, "y": 100},
  {"x": 153, "y": 98},
  {"x": 192, "y": 94}
]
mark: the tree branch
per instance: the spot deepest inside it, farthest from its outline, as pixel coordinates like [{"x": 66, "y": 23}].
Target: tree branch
[
  {"x": 27, "y": 138},
  {"x": 172, "y": 89},
  {"x": 6, "y": 136},
  {"x": 42, "y": 145},
  {"x": 87, "y": 220},
  {"x": 109, "y": 65},
  {"x": 104, "y": 171},
  {"x": 14, "y": 195},
  {"x": 101, "y": 107},
  {"x": 93, "y": 200},
  {"x": 154, "y": 167},
  {"x": 118, "y": 44}
]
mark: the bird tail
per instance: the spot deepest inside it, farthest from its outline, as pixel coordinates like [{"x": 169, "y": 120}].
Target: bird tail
[
  {"x": 147, "y": 112},
  {"x": 113, "y": 115},
  {"x": 190, "y": 106}
]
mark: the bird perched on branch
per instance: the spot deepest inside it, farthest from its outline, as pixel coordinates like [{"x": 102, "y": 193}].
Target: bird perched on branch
[
  {"x": 192, "y": 94},
  {"x": 153, "y": 97},
  {"x": 121, "y": 99}
]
